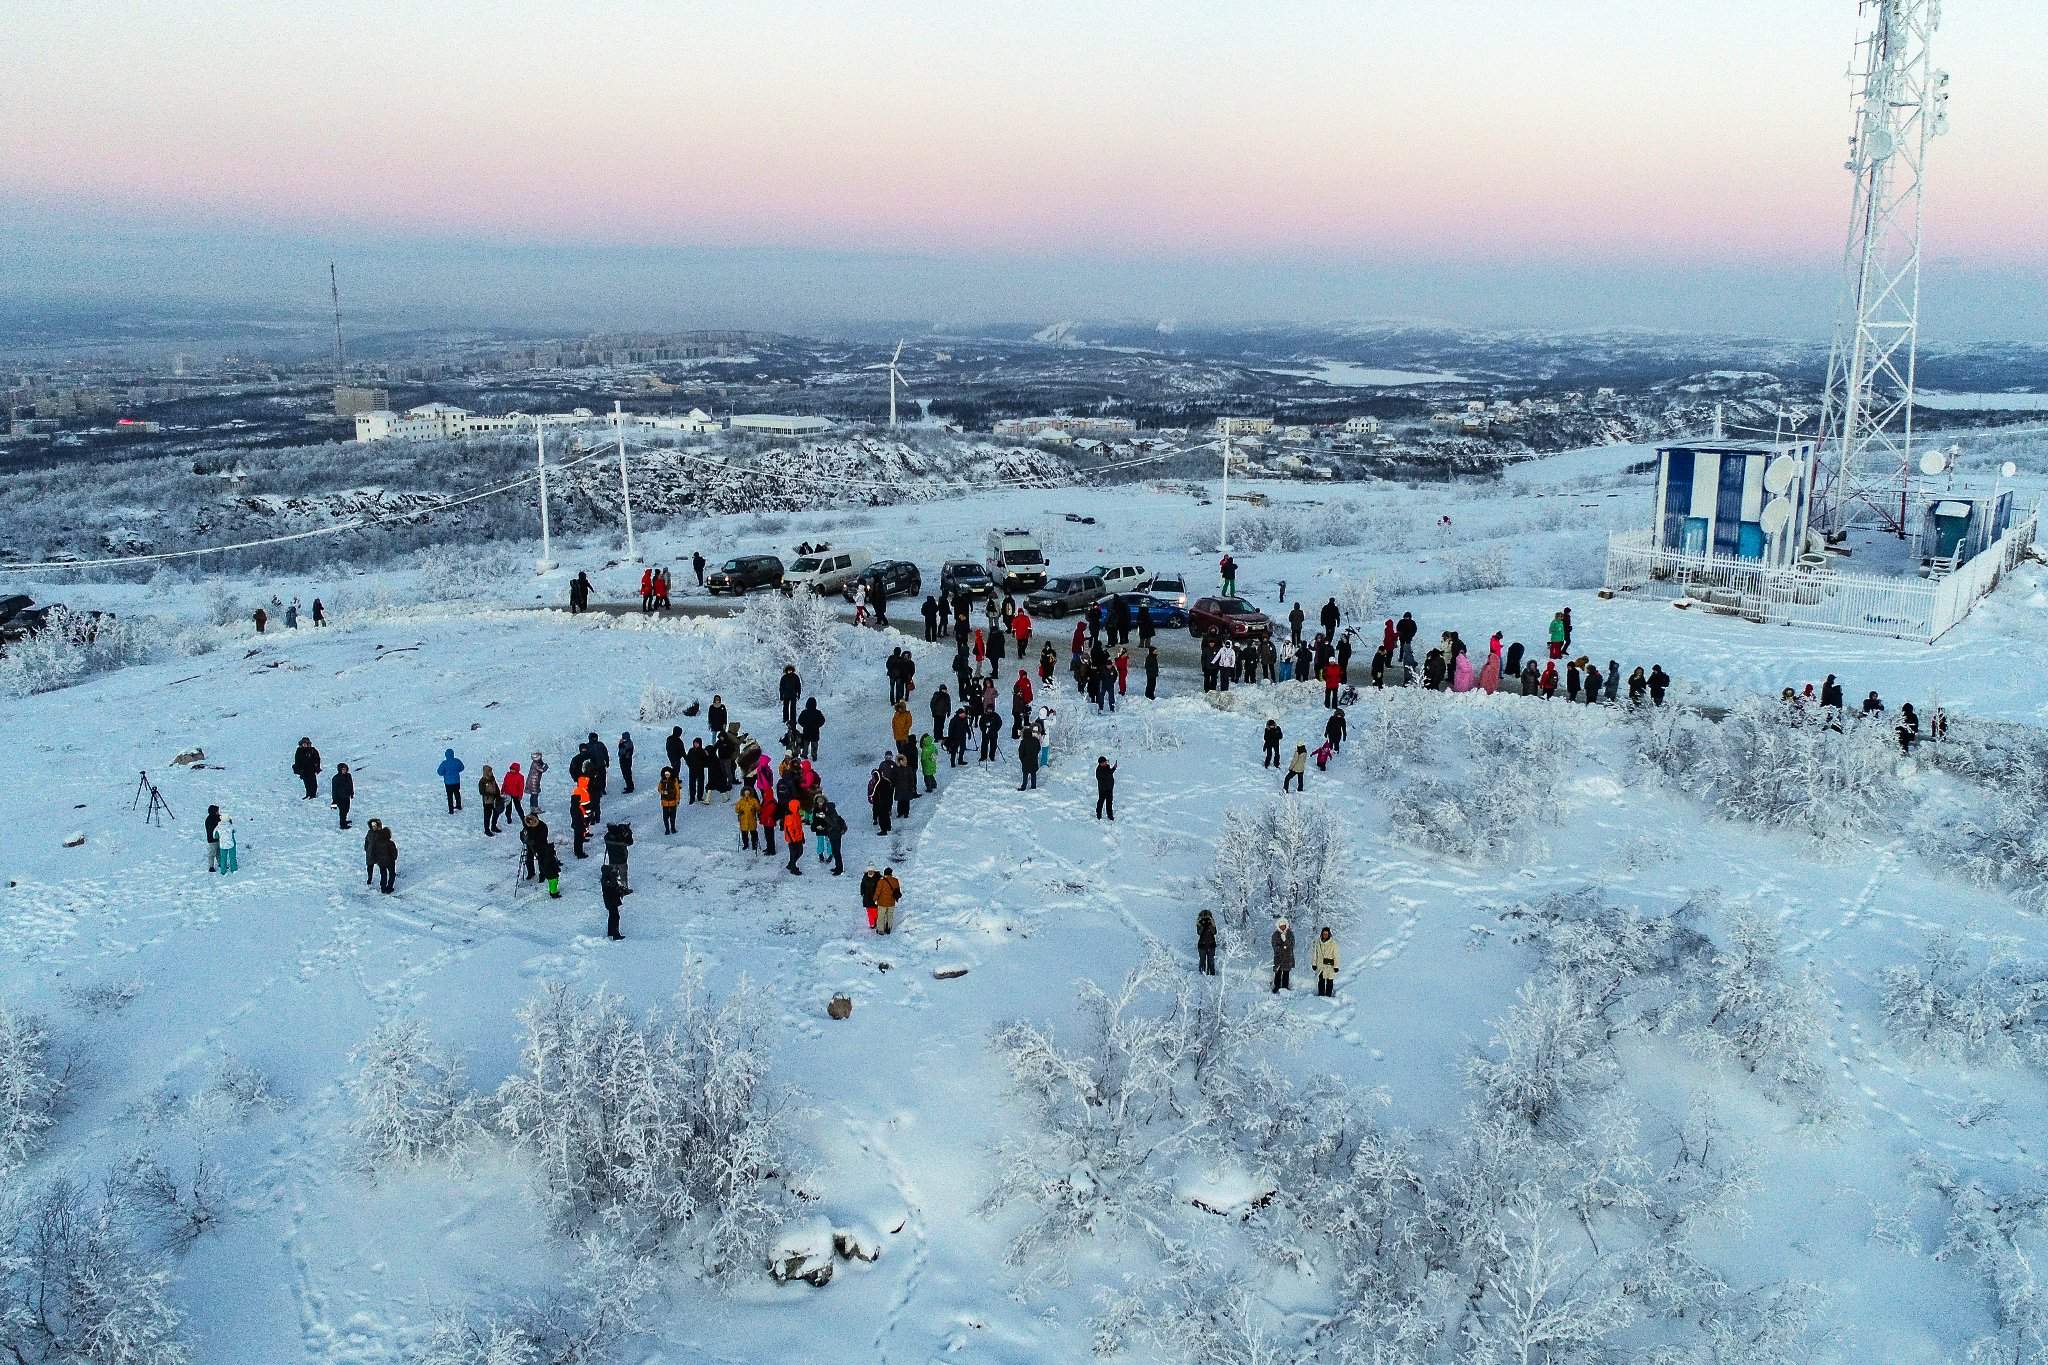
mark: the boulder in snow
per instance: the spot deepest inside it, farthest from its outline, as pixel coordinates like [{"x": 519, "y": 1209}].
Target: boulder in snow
[
  {"x": 802, "y": 1251},
  {"x": 74, "y": 840},
  {"x": 187, "y": 757},
  {"x": 950, "y": 970},
  {"x": 857, "y": 1243},
  {"x": 839, "y": 1007}
]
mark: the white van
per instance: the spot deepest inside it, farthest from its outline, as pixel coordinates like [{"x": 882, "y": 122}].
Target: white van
[
  {"x": 1014, "y": 562},
  {"x": 828, "y": 570}
]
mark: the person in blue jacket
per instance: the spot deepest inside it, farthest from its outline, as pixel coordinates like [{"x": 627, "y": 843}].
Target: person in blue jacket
[{"x": 451, "y": 778}]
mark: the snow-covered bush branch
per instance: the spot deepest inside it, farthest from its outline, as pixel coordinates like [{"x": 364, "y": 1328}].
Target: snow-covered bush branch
[
  {"x": 76, "y": 1286},
  {"x": 409, "y": 1097},
  {"x": 1287, "y": 857},
  {"x": 1985, "y": 1013},
  {"x": 32, "y": 1085},
  {"x": 604, "y": 1302}
]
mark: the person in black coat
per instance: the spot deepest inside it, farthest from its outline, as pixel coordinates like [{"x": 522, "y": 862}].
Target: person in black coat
[
  {"x": 614, "y": 896},
  {"x": 1334, "y": 730},
  {"x": 905, "y": 782},
  {"x": 810, "y": 723},
  {"x": 626, "y": 761},
  {"x": 715, "y": 716},
  {"x": 1344, "y": 658},
  {"x": 956, "y": 739},
  {"x": 1831, "y": 692},
  {"x": 342, "y": 791},
  {"x": 1151, "y": 673},
  {"x": 386, "y": 858},
  {"x": 991, "y": 734},
  {"x": 306, "y": 763},
  {"x": 1511, "y": 667},
  {"x": 1330, "y": 616},
  {"x": 674, "y": 745},
  {"x": 371, "y": 838},
  {"x": 1273, "y": 738},
  {"x": 789, "y": 689},
  {"x": 1027, "y": 758},
  {"x": 1659, "y": 680},
  {"x": 1433, "y": 670},
  {"x": 696, "y": 763},
  {"x": 1105, "y": 788},
  {"x": 930, "y": 611},
  {"x": 532, "y": 836},
  {"x": 1283, "y": 956},
  {"x": 1205, "y": 943}
]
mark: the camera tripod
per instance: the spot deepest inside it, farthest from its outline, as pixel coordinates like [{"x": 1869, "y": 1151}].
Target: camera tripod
[{"x": 157, "y": 807}]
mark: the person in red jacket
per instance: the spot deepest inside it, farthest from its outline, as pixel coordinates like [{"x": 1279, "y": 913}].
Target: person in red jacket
[
  {"x": 1020, "y": 703},
  {"x": 1080, "y": 640},
  {"x": 1123, "y": 671},
  {"x": 1387, "y": 638},
  {"x": 1547, "y": 685},
  {"x": 1020, "y": 626},
  {"x": 513, "y": 787},
  {"x": 1332, "y": 676}
]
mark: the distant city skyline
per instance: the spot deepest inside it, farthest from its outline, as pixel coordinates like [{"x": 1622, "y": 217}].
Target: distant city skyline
[{"x": 1471, "y": 161}]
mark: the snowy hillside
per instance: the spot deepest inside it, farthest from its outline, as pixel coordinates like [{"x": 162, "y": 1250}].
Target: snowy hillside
[{"x": 1677, "y": 1034}]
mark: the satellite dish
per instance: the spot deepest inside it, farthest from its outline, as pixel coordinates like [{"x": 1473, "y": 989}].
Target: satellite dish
[
  {"x": 1780, "y": 474},
  {"x": 1878, "y": 143},
  {"x": 1777, "y": 515},
  {"x": 2008, "y": 469},
  {"x": 1933, "y": 462}
]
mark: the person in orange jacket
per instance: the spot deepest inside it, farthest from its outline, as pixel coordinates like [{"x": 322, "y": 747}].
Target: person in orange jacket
[
  {"x": 579, "y": 813},
  {"x": 793, "y": 835}
]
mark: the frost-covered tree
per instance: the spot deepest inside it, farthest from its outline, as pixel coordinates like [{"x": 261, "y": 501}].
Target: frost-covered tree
[
  {"x": 32, "y": 1085},
  {"x": 180, "y": 1210},
  {"x": 603, "y": 1303},
  {"x": 652, "y": 1123},
  {"x": 76, "y": 1288},
  {"x": 771, "y": 630},
  {"x": 409, "y": 1096},
  {"x": 1551, "y": 1056},
  {"x": 1287, "y": 857},
  {"x": 1949, "y": 1005},
  {"x": 1996, "y": 1231},
  {"x": 1766, "y": 1018},
  {"x": 1541, "y": 1307}
]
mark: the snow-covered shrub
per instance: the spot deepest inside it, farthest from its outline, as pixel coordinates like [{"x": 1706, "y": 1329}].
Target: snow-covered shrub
[
  {"x": 1552, "y": 1056},
  {"x": 1359, "y": 600},
  {"x": 409, "y": 1096},
  {"x": 659, "y": 706},
  {"x": 1193, "y": 1311},
  {"x": 1623, "y": 967},
  {"x": 772, "y": 630},
  {"x": 1287, "y": 857},
  {"x": 76, "y": 1287},
  {"x": 1493, "y": 808},
  {"x": 1541, "y": 1304},
  {"x": 32, "y": 1085},
  {"x": 178, "y": 1209},
  {"x": 1985, "y": 1013},
  {"x": 655, "y": 1123},
  {"x": 605, "y": 1302},
  {"x": 2000, "y": 839},
  {"x": 234, "y": 1093},
  {"x": 103, "y": 997},
  {"x": 2002, "y": 1234},
  {"x": 1765, "y": 1016},
  {"x": 1479, "y": 568},
  {"x": 1398, "y": 723},
  {"x": 71, "y": 648}
]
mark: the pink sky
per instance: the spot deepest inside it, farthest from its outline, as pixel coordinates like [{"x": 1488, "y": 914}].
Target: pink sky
[{"x": 1454, "y": 129}]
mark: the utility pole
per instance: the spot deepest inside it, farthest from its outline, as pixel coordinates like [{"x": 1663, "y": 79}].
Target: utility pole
[
  {"x": 540, "y": 452},
  {"x": 1223, "y": 516},
  {"x": 625, "y": 493}
]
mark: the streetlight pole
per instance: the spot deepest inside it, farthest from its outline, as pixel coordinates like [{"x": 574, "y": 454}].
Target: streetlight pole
[
  {"x": 540, "y": 454},
  {"x": 625, "y": 493}
]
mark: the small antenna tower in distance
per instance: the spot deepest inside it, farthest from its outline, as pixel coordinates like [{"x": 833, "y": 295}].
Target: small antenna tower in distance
[{"x": 334, "y": 289}]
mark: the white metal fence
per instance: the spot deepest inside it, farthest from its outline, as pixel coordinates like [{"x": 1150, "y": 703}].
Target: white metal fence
[{"x": 1817, "y": 596}]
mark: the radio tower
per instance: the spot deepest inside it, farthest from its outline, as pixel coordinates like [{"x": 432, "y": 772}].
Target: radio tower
[
  {"x": 334, "y": 289},
  {"x": 1867, "y": 414}
]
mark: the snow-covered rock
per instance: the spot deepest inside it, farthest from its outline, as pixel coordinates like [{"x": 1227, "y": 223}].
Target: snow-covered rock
[{"x": 802, "y": 1251}]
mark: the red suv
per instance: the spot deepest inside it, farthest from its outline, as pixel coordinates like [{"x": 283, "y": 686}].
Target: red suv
[{"x": 1232, "y": 616}]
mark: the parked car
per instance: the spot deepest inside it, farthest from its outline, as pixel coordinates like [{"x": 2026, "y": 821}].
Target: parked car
[
  {"x": 1121, "y": 577},
  {"x": 1232, "y": 616},
  {"x": 1065, "y": 594},
  {"x": 826, "y": 569},
  {"x": 1170, "y": 586},
  {"x": 747, "y": 573},
  {"x": 899, "y": 578},
  {"x": 965, "y": 576},
  {"x": 1164, "y": 611}
]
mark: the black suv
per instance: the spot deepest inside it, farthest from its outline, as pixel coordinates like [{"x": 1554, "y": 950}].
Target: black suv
[
  {"x": 964, "y": 576},
  {"x": 898, "y": 578},
  {"x": 744, "y": 575}
]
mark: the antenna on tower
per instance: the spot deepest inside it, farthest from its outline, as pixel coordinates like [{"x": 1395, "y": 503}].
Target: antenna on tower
[
  {"x": 1867, "y": 412},
  {"x": 334, "y": 289}
]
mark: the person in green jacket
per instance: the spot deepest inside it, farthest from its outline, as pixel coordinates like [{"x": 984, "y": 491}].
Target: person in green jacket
[
  {"x": 1557, "y": 635},
  {"x": 928, "y": 759}
]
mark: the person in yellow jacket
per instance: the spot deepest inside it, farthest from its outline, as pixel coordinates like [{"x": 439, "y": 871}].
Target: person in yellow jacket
[
  {"x": 748, "y": 809},
  {"x": 1323, "y": 957},
  {"x": 900, "y": 725},
  {"x": 887, "y": 892},
  {"x": 670, "y": 793}
]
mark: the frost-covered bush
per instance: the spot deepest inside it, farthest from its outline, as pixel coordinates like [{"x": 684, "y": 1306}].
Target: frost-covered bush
[
  {"x": 1287, "y": 857},
  {"x": 1625, "y": 969},
  {"x": 409, "y": 1097},
  {"x": 605, "y": 1302},
  {"x": 76, "y": 1286},
  {"x": 32, "y": 1085},
  {"x": 1551, "y": 1056},
  {"x": 1492, "y": 808},
  {"x": 655, "y": 1123},
  {"x": 1286, "y": 527},
  {"x": 71, "y": 648},
  {"x": 772, "y": 630},
  {"x": 1397, "y": 723},
  {"x": 1999, "y": 1233},
  {"x": 1478, "y": 568},
  {"x": 179, "y": 1209},
  {"x": 659, "y": 706},
  {"x": 1986, "y": 1013},
  {"x": 1765, "y": 1016},
  {"x": 1359, "y": 600}
]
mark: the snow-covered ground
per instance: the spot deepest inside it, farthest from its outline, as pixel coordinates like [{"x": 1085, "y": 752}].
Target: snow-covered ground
[{"x": 1460, "y": 818}]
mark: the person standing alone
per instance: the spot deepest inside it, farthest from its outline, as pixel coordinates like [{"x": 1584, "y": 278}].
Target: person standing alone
[{"x": 306, "y": 763}]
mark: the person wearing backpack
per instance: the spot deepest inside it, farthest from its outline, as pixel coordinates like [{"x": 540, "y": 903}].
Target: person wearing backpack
[{"x": 888, "y": 891}]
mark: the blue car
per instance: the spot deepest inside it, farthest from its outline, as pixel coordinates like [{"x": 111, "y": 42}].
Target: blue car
[{"x": 1164, "y": 611}]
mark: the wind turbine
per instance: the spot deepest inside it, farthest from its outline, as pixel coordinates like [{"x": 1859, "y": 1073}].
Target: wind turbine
[{"x": 895, "y": 378}]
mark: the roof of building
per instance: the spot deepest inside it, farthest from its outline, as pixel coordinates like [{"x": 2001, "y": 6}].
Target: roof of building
[
  {"x": 430, "y": 409},
  {"x": 1736, "y": 446}
]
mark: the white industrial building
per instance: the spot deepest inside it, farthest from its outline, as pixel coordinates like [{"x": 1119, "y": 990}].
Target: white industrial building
[
  {"x": 1028, "y": 428},
  {"x": 773, "y": 424}
]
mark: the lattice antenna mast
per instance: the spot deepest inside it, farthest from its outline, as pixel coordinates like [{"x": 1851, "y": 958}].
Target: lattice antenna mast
[
  {"x": 1867, "y": 413},
  {"x": 334, "y": 289}
]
